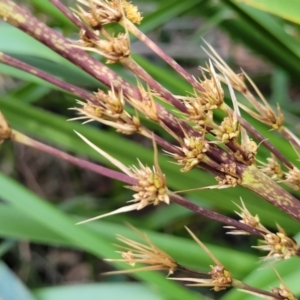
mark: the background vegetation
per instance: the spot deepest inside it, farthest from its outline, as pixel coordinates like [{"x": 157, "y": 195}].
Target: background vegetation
[{"x": 42, "y": 197}]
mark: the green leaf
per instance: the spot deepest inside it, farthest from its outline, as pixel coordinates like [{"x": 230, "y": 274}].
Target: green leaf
[
  {"x": 51, "y": 10},
  {"x": 30, "y": 46},
  {"x": 19, "y": 226},
  {"x": 165, "y": 12},
  {"x": 287, "y": 10},
  {"x": 259, "y": 31},
  {"x": 30, "y": 92},
  {"x": 111, "y": 291},
  {"x": 51, "y": 218}
]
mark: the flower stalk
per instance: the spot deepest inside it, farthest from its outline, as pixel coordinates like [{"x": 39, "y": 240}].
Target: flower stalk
[
  {"x": 153, "y": 258},
  {"x": 13, "y": 62}
]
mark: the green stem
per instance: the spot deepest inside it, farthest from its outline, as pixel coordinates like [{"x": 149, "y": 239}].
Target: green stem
[{"x": 255, "y": 180}]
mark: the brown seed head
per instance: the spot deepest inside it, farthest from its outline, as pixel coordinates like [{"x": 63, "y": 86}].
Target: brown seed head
[
  {"x": 248, "y": 219},
  {"x": 100, "y": 12},
  {"x": 193, "y": 150},
  {"x": 198, "y": 113},
  {"x": 84, "y": 40},
  {"x": 272, "y": 168},
  {"x": 105, "y": 12},
  {"x": 230, "y": 177},
  {"x": 221, "y": 278},
  {"x": 112, "y": 102},
  {"x": 292, "y": 178},
  {"x": 264, "y": 113},
  {"x": 250, "y": 149},
  {"x": 236, "y": 80},
  {"x": 114, "y": 49},
  {"x": 109, "y": 111},
  {"x": 228, "y": 130},
  {"x": 143, "y": 253},
  {"x": 284, "y": 293},
  {"x": 213, "y": 96},
  {"x": 148, "y": 105},
  {"x": 151, "y": 187},
  {"x": 279, "y": 245},
  {"x": 107, "y": 105},
  {"x": 228, "y": 181}
]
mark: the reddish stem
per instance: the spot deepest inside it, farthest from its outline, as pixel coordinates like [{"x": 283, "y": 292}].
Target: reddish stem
[
  {"x": 288, "y": 135},
  {"x": 140, "y": 72},
  {"x": 23, "y": 20},
  {"x": 13, "y": 62},
  {"x": 214, "y": 216},
  {"x": 89, "y": 33},
  {"x": 164, "y": 56},
  {"x": 21, "y": 138},
  {"x": 259, "y": 137}
]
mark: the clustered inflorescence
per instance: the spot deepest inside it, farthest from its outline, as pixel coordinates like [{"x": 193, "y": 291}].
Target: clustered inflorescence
[{"x": 227, "y": 148}]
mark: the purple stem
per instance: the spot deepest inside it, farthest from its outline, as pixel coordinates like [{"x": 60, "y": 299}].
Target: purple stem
[
  {"x": 23, "y": 20},
  {"x": 89, "y": 33},
  {"x": 13, "y": 62},
  {"x": 20, "y": 138},
  {"x": 23, "y": 139},
  {"x": 133, "y": 66},
  {"x": 214, "y": 216},
  {"x": 164, "y": 56},
  {"x": 265, "y": 142},
  {"x": 167, "y": 95}
]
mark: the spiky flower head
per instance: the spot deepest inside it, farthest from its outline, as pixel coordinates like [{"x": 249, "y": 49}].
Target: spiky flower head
[
  {"x": 108, "y": 108},
  {"x": 148, "y": 105},
  {"x": 102, "y": 12},
  {"x": 213, "y": 95},
  {"x": 228, "y": 130},
  {"x": 146, "y": 253},
  {"x": 283, "y": 293},
  {"x": 226, "y": 73},
  {"x": 279, "y": 245},
  {"x": 193, "y": 152},
  {"x": 197, "y": 113},
  {"x": 246, "y": 218},
  {"x": 151, "y": 187},
  {"x": 220, "y": 277},
  {"x": 150, "y": 184},
  {"x": 272, "y": 168},
  {"x": 200, "y": 105},
  {"x": 292, "y": 178},
  {"x": 114, "y": 49}
]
